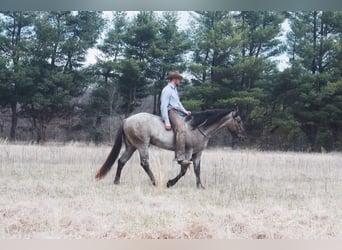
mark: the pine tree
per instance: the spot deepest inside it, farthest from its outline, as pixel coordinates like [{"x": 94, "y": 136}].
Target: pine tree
[
  {"x": 15, "y": 34},
  {"x": 167, "y": 53},
  {"x": 54, "y": 73},
  {"x": 313, "y": 43}
]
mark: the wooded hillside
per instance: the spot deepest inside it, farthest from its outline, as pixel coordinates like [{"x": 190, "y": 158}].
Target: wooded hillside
[{"x": 50, "y": 92}]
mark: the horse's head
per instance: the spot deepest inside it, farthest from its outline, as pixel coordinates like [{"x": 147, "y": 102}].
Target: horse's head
[{"x": 235, "y": 125}]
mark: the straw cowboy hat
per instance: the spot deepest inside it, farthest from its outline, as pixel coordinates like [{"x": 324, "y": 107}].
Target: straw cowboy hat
[{"x": 174, "y": 74}]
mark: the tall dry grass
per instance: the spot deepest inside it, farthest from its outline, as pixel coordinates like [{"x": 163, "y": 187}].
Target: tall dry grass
[{"x": 50, "y": 192}]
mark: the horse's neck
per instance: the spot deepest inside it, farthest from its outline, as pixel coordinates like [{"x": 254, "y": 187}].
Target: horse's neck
[{"x": 212, "y": 129}]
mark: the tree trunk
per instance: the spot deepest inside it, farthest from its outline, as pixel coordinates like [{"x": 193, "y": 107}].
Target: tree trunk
[
  {"x": 158, "y": 103},
  {"x": 43, "y": 131},
  {"x": 320, "y": 58},
  {"x": 204, "y": 72},
  {"x": 39, "y": 133},
  {"x": 14, "y": 121},
  {"x": 36, "y": 128},
  {"x": 40, "y": 127},
  {"x": 311, "y": 133},
  {"x": 98, "y": 134},
  {"x": 154, "y": 103},
  {"x": 313, "y": 66},
  {"x": 132, "y": 99},
  {"x": 334, "y": 130}
]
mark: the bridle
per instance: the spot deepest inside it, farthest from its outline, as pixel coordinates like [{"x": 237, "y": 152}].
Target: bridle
[
  {"x": 238, "y": 125},
  {"x": 208, "y": 136}
]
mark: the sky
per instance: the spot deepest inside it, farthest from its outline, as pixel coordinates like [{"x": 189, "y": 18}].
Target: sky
[{"x": 183, "y": 23}]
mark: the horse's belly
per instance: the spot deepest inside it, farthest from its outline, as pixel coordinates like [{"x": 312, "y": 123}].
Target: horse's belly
[{"x": 163, "y": 139}]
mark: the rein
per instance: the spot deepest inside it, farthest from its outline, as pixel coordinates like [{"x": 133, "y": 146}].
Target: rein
[{"x": 202, "y": 132}]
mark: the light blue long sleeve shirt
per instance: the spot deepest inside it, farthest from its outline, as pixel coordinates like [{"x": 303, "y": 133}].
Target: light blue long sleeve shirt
[{"x": 170, "y": 100}]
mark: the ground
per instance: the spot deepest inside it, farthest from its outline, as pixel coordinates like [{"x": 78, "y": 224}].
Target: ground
[{"x": 49, "y": 191}]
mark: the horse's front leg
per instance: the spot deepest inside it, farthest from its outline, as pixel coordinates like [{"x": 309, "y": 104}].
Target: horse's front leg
[
  {"x": 196, "y": 159},
  {"x": 184, "y": 169},
  {"x": 173, "y": 181}
]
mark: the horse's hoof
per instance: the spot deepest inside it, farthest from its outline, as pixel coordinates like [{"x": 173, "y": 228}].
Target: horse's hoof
[
  {"x": 200, "y": 186},
  {"x": 116, "y": 182},
  {"x": 169, "y": 184}
]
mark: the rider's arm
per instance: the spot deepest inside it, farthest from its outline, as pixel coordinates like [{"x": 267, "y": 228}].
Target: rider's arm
[
  {"x": 164, "y": 102},
  {"x": 182, "y": 108}
]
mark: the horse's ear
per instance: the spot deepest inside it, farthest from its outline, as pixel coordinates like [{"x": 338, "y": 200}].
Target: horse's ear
[{"x": 236, "y": 112}]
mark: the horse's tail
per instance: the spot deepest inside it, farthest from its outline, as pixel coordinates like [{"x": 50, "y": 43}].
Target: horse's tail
[{"x": 113, "y": 155}]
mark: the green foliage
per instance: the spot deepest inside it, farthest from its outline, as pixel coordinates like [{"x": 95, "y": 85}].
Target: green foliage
[
  {"x": 228, "y": 56},
  {"x": 105, "y": 95},
  {"x": 150, "y": 44},
  {"x": 4, "y": 85},
  {"x": 64, "y": 37},
  {"x": 140, "y": 36},
  {"x": 43, "y": 62},
  {"x": 131, "y": 83},
  {"x": 243, "y": 98},
  {"x": 192, "y": 104},
  {"x": 114, "y": 44}
]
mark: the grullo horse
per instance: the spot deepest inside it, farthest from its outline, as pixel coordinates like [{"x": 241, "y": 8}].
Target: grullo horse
[{"x": 141, "y": 130}]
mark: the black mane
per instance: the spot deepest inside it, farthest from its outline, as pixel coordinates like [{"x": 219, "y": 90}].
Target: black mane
[{"x": 206, "y": 118}]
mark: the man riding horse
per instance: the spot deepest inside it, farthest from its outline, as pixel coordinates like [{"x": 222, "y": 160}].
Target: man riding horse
[
  {"x": 141, "y": 130},
  {"x": 173, "y": 114}
]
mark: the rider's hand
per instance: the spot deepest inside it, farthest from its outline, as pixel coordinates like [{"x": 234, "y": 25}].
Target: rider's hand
[
  {"x": 167, "y": 126},
  {"x": 188, "y": 112}
]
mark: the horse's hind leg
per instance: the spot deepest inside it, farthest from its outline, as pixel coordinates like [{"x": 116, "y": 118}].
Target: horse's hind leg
[
  {"x": 144, "y": 162},
  {"x": 122, "y": 161}
]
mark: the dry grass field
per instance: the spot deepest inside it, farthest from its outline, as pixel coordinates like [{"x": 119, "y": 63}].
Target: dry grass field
[{"x": 50, "y": 192}]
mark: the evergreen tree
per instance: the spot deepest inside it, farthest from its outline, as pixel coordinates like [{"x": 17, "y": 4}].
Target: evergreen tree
[
  {"x": 107, "y": 71},
  {"x": 232, "y": 52},
  {"x": 53, "y": 72},
  {"x": 167, "y": 53},
  {"x": 139, "y": 41},
  {"x": 15, "y": 35},
  {"x": 215, "y": 46},
  {"x": 313, "y": 45}
]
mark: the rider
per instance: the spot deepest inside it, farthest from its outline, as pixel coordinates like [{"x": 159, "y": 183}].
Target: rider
[{"x": 173, "y": 114}]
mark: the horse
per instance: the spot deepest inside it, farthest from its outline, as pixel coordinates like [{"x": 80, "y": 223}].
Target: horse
[{"x": 141, "y": 130}]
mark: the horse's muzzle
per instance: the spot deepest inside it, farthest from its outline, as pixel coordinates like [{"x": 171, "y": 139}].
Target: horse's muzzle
[{"x": 242, "y": 137}]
